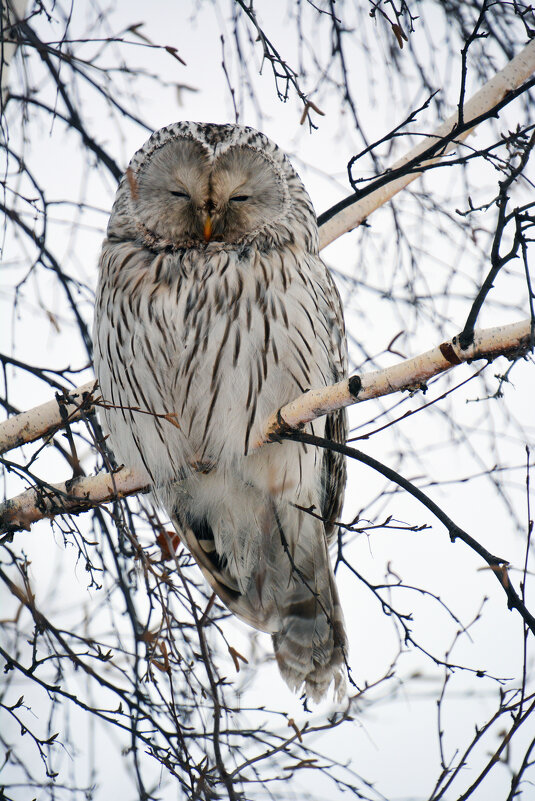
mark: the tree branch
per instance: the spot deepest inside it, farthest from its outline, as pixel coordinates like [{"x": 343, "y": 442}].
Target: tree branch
[
  {"x": 495, "y": 563},
  {"x": 70, "y": 497},
  {"x": 496, "y": 93},
  {"x": 12, "y": 13},
  {"x": 507, "y": 340},
  {"x": 81, "y": 494},
  {"x": 44, "y": 420}
]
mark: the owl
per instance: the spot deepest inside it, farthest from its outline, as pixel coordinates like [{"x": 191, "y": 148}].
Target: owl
[{"x": 214, "y": 310}]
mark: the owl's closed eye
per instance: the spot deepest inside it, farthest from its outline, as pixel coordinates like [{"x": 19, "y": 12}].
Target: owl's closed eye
[{"x": 188, "y": 193}]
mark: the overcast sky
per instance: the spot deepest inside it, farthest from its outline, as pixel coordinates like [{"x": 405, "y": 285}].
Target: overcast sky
[{"x": 392, "y": 743}]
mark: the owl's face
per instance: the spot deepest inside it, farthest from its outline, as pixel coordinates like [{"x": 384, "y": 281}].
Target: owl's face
[{"x": 190, "y": 192}]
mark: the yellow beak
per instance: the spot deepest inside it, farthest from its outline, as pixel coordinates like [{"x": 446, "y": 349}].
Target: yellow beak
[{"x": 207, "y": 228}]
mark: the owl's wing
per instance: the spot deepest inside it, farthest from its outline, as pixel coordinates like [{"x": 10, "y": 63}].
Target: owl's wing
[
  {"x": 334, "y": 473},
  {"x": 200, "y": 545},
  {"x": 334, "y": 464},
  {"x": 297, "y": 602}
]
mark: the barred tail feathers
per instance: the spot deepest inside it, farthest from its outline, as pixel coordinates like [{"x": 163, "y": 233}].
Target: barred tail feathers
[
  {"x": 291, "y": 591},
  {"x": 310, "y": 645}
]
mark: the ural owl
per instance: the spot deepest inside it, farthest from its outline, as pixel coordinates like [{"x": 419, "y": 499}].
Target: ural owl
[{"x": 214, "y": 307}]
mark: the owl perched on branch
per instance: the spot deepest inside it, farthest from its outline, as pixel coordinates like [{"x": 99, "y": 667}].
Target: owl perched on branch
[{"x": 213, "y": 311}]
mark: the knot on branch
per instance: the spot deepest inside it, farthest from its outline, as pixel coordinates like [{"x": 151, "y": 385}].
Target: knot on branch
[
  {"x": 449, "y": 354},
  {"x": 465, "y": 339},
  {"x": 282, "y": 429},
  {"x": 354, "y": 384}
]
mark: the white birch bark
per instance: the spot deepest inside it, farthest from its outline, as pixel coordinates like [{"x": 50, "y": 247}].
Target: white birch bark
[
  {"x": 409, "y": 375},
  {"x": 71, "y": 497},
  {"x": 511, "y": 77},
  {"x": 45, "y": 419},
  {"x": 82, "y": 493}
]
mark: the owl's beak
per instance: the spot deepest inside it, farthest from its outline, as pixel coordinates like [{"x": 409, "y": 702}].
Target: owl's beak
[{"x": 207, "y": 228}]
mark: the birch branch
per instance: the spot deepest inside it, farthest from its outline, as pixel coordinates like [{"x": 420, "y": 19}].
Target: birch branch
[
  {"x": 46, "y": 419},
  {"x": 81, "y": 494},
  {"x": 71, "y": 497},
  {"x": 506, "y": 340},
  {"x": 511, "y": 77}
]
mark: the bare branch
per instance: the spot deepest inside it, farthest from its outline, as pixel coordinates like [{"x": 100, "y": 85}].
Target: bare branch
[
  {"x": 350, "y": 213},
  {"x": 12, "y": 12},
  {"x": 70, "y": 497},
  {"x": 495, "y": 563},
  {"x": 44, "y": 420},
  {"x": 81, "y": 494}
]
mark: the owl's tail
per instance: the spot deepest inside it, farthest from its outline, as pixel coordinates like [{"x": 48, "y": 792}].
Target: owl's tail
[
  {"x": 288, "y": 589},
  {"x": 310, "y": 645}
]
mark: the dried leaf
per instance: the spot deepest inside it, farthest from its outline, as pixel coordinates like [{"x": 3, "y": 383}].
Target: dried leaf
[
  {"x": 400, "y": 34},
  {"x": 172, "y": 418},
  {"x": 173, "y": 51},
  {"x": 310, "y": 105},
  {"x": 168, "y": 542},
  {"x": 132, "y": 183},
  {"x": 236, "y": 656},
  {"x": 295, "y": 727},
  {"x": 163, "y": 666}
]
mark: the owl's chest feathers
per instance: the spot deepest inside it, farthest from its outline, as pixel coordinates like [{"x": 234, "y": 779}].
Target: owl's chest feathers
[
  {"x": 232, "y": 310},
  {"x": 220, "y": 343}
]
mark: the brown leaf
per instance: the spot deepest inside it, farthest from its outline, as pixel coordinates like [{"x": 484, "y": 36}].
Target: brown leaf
[
  {"x": 236, "y": 656},
  {"x": 310, "y": 105},
  {"x": 164, "y": 665},
  {"x": 168, "y": 542},
  {"x": 171, "y": 418},
  {"x": 295, "y": 727},
  {"x": 500, "y": 570},
  {"x": 132, "y": 183},
  {"x": 173, "y": 51},
  {"x": 400, "y": 34}
]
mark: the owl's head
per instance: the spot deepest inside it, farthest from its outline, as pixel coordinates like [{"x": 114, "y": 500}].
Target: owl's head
[{"x": 194, "y": 184}]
